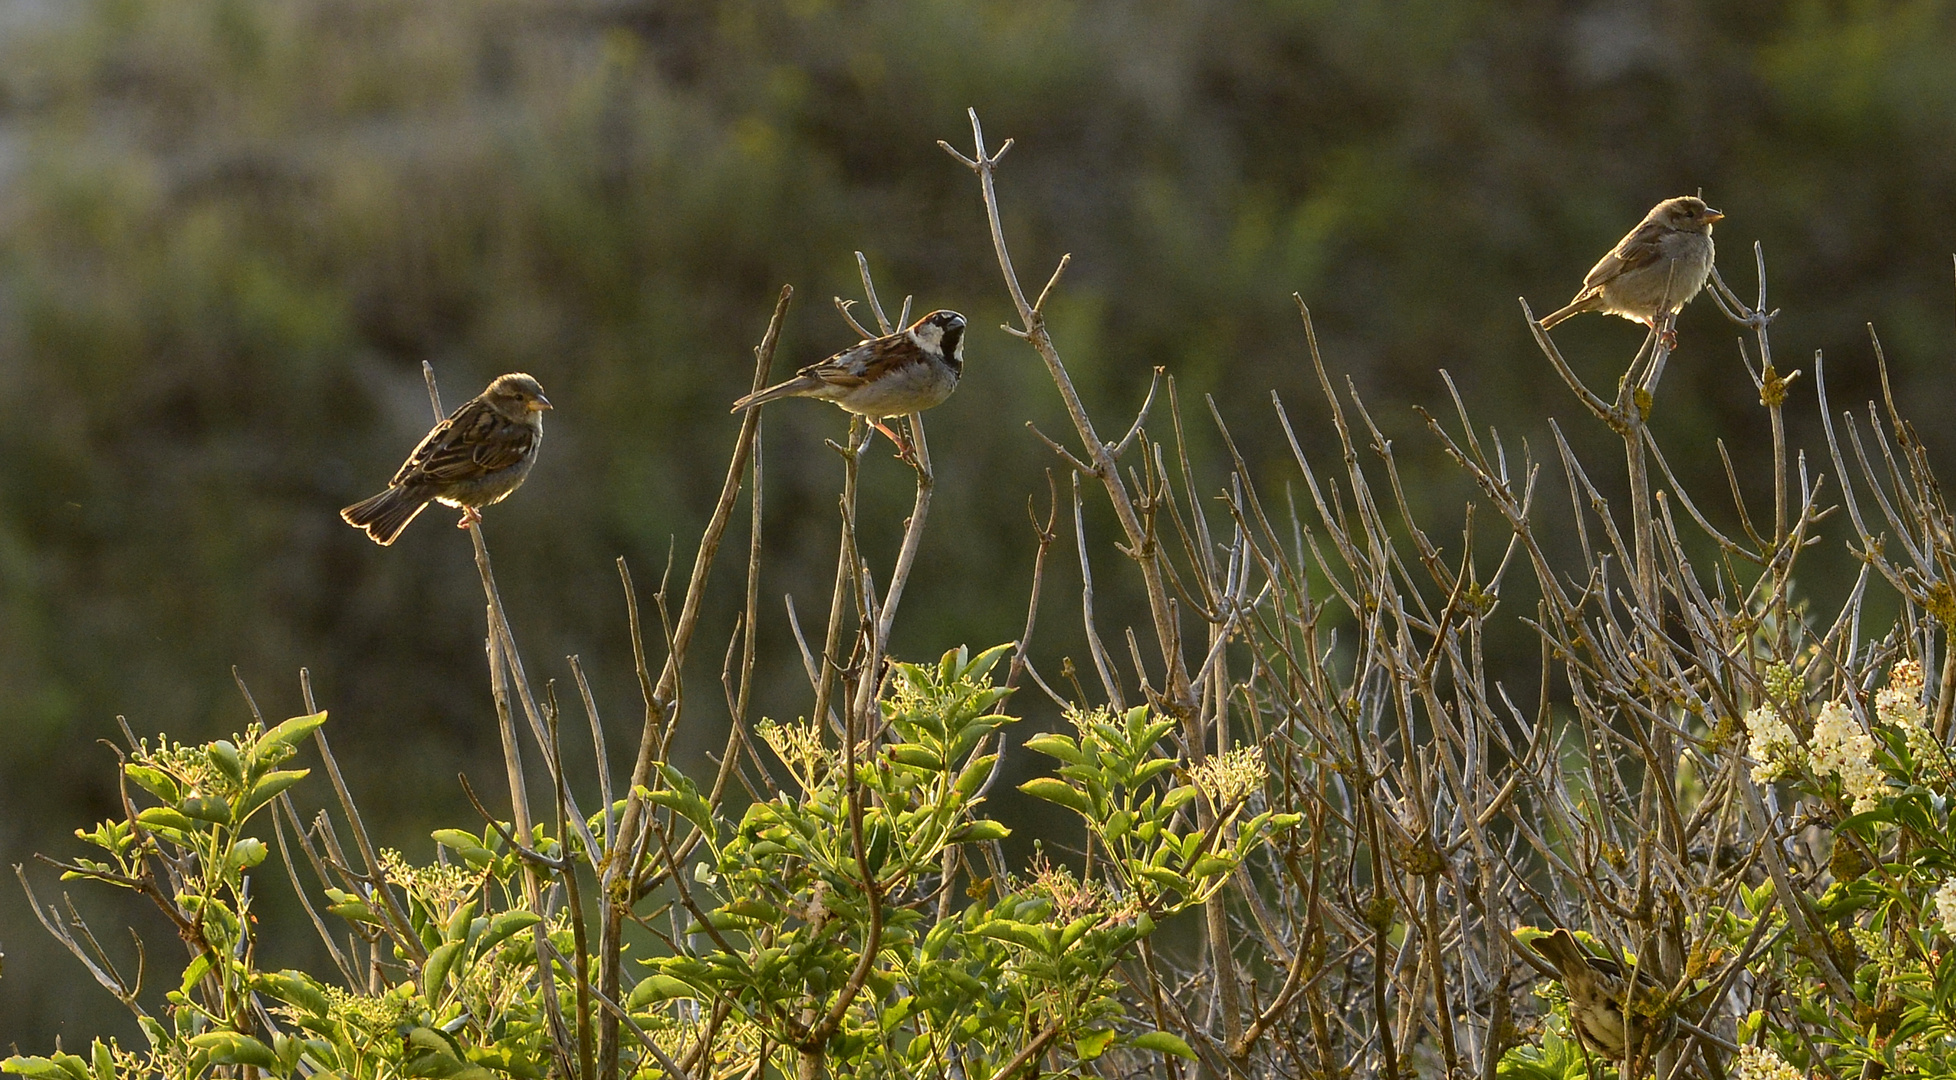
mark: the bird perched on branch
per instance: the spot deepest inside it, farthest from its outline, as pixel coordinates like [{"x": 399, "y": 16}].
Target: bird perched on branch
[
  {"x": 1597, "y": 990},
  {"x": 473, "y": 459},
  {"x": 1654, "y": 271},
  {"x": 908, "y": 371}
]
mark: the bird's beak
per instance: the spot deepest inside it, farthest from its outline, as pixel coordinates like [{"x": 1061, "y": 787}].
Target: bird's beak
[
  {"x": 1713, "y": 216},
  {"x": 540, "y": 403}
]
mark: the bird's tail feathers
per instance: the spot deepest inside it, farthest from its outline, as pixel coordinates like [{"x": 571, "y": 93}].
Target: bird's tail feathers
[
  {"x": 1586, "y": 302},
  {"x": 1560, "y": 948},
  {"x": 386, "y": 514},
  {"x": 791, "y": 388}
]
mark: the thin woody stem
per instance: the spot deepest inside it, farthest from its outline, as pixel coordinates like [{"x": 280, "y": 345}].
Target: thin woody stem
[{"x": 1140, "y": 541}]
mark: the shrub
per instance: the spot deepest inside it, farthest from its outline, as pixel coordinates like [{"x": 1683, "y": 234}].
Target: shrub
[{"x": 1745, "y": 803}]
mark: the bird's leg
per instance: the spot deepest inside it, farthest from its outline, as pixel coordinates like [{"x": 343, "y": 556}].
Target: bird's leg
[
  {"x": 1667, "y": 331},
  {"x": 903, "y": 445},
  {"x": 471, "y": 517}
]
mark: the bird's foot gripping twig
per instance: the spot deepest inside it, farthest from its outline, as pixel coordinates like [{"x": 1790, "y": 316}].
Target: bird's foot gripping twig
[
  {"x": 903, "y": 451},
  {"x": 471, "y": 517}
]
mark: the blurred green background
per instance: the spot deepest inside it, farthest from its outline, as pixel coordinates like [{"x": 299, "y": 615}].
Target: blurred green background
[{"x": 232, "y": 230}]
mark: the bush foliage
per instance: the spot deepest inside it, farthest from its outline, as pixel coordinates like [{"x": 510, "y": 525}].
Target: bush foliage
[{"x": 1309, "y": 833}]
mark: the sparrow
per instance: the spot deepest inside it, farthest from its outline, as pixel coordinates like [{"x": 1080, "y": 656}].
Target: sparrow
[
  {"x": 909, "y": 371},
  {"x": 473, "y": 459},
  {"x": 1654, "y": 271},
  {"x": 1596, "y": 988}
]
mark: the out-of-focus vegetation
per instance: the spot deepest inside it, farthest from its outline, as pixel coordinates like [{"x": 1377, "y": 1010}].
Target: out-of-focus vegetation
[{"x": 230, "y": 232}]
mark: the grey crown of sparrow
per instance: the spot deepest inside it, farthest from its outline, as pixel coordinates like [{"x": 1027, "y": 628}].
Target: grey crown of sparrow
[
  {"x": 1597, "y": 989},
  {"x": 1655, "y": 270},
  {"x": 900, "y": 373},
  {"x": 473, "y": 459}
]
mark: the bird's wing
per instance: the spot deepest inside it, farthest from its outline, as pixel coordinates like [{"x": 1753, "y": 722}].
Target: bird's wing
[
  {"x": 1633, "y": 252},
  {"x": 473, "y": 441},
  {"x": 863, "y": 362}
]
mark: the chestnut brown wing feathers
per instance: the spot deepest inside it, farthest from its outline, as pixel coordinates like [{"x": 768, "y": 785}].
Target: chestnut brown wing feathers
[
  {"x": 853, "y": 366},
  {"x": 474, "y": 441}
]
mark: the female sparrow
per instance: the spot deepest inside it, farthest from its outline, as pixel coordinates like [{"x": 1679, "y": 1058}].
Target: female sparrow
[
  {"x": 894, "y": 375},
  {"x": 473, "y": 459},
  {"x": 1653, "y": 272},
  {"x": 1596, "y": 988}
]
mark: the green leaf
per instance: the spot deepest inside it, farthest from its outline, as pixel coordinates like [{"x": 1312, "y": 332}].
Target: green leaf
[
  {"x": 681, "y": 796},
  {"x": 503, "y": 1060},
  {"x": 1054, "y": 790},
  {"x": 504, "y": 925},
  {"x": 290, "y": 732},
  {"x": 1755, "y": 899},
  {"x": 441, "y": 962},
  {"x": 466, "y": 845},
  {"x": 1165, "y": 877},
  {"x": 1211, "y": 866},
  {"x": 981, "y": 665},
  {"x": 1175, "y": 800},
  {"x": 211, "y": 808},
  {"x": 247, "y": 853},
  {"x": 1077, "y": 929},
  {"x": 165, "y": 817},
  {"x": 917, "y": 755},
  {"x": 295, "y": 988},
  {"x": 1161, "y": 1042},
  {"x": 233, "y": 1048},
  {"x": 225, "y": 757},
  {"x": 1117, "y": 826},
  {"x": 195, "y": 972},
  {"x": 350, "y": 907},
  {"x": 1014, "y": 932},
  {"x": 659, "y": 988},
  {"x": 268, "y": 787},
  {"x": 433, "y": 1053},
  {"x": 1057, "y": 746},
  {"x": 155, "y": 781},
  {"x": 754, "y": 908},
  {"x": 1149, "y": 770},
  {"x": 458, "y": 923},
  {"x": 1556, "y": 1059},
  {"x": 288, "y": 1050},
  {"x": 1092, "y": 1044},
  {"x": 951, "y": 663},
  {"x": 975, "y": 773},
  {"x": 41, "y": 1068},
  {"x": 978, "y": 832}
]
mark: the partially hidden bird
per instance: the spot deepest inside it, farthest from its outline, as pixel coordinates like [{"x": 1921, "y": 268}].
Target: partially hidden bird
[
  {"x": 473, "y": 459},
  {"x": 1608, "y": 1011},
  {"x": 900, "y": 373},
  {"x": 1654, "y": 271}
]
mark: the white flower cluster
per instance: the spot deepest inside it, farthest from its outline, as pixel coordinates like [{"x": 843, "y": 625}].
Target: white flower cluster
[
  {"x": 1230, "y": 779},
  {"x": 1762, "y": 1063},
  {"x": 1772, "y": 745},
  {"x": 1900, "y": 705},
  {"x": 800, "y": 748},
  {"x": 1841, "y": 747},
  {"x": 1946, "y": 906}
]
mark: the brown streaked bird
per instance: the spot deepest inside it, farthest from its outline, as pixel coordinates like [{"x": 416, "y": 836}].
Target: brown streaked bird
[
  {"x": 908, "y": 371},
  {"x": 473, "y": 459},
  {"x": 1596, "y": 988},
  {"x": 1654, "y": 271}
]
